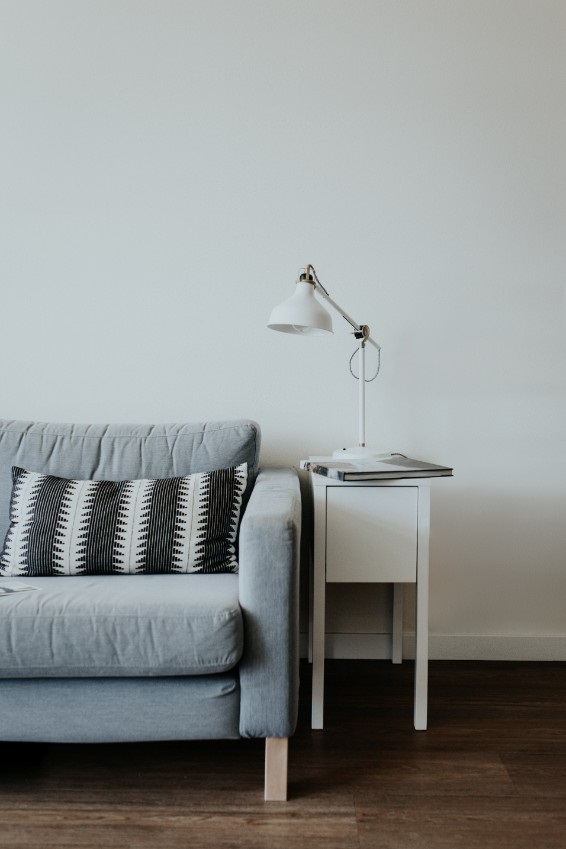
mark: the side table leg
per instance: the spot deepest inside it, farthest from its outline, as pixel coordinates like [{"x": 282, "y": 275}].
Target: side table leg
[
  {"x": 318, "y": 659},
  {"x": 311, "y": 602},
  {"x": 318, "y": 606},
  {"x": 421, "y": 635},
  {"x": 397, "y": 647}
]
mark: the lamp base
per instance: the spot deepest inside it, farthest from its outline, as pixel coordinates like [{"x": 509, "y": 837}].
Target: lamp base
[{"x": 361, "y": 452}]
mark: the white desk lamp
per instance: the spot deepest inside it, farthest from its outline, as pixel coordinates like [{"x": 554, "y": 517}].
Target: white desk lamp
[{"x": 303, "y": 314}]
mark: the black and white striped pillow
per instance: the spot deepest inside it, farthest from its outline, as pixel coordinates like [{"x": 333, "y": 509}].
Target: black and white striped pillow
[{"x": 83, "y": 527}]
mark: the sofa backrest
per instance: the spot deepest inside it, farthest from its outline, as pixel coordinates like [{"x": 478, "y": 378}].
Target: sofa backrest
[{"x": 123, "y": 451}]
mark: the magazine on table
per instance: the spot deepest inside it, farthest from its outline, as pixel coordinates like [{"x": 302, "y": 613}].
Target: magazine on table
[{"x": 396, "y": 466}]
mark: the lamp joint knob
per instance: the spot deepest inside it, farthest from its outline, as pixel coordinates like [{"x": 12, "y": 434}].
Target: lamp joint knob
[{"x": 362, "y": 333}]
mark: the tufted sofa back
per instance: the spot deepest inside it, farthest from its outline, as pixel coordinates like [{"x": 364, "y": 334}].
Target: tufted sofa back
[{"x": 123, "y": 451}]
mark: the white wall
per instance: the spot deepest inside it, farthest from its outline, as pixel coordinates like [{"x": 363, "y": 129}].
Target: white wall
[{"x": 167, "y": 167}]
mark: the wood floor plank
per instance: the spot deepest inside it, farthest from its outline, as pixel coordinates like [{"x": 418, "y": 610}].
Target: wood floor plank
[
  {"x": 536, "y": 774},
  {"x": 472, "y": 824},
  {"x": 187, "y": 831},
  {"x": 136, "y": 827}
]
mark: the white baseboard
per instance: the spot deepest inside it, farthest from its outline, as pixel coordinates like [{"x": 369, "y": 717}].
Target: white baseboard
[
  {"x": 495, "y": 646},
  {"x": 447, "y": 646}
]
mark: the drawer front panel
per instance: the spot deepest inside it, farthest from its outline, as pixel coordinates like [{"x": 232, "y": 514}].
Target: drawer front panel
[{"x": 371, "y": 534}]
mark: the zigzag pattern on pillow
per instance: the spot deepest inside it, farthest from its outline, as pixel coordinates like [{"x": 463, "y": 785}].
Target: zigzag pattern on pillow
[{"x": 84, "y": 527}]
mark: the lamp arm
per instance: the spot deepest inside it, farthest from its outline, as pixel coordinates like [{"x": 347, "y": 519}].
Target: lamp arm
[{"x": 358, "y": 328}]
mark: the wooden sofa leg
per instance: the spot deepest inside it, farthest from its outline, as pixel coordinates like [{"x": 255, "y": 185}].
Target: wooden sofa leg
[{"x": 276, "y": 749}]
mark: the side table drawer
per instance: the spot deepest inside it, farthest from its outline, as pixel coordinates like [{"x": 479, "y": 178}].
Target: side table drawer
[{"x": 371, "y": 534}]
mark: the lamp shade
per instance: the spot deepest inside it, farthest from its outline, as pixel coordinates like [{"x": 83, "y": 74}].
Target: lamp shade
[{"x": 301, "y": 313}]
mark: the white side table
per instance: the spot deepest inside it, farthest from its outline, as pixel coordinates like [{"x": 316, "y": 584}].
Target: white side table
[{"x": 372, "y": 532}]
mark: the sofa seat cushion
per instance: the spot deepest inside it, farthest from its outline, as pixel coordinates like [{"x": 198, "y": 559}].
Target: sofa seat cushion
[{"x": 150, "y": 625}]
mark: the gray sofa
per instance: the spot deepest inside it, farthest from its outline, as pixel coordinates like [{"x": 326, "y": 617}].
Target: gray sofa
[{"x": 122, "y": 657}]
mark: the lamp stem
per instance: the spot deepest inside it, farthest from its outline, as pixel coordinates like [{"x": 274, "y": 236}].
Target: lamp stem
[{"x": 362, "y": 395}]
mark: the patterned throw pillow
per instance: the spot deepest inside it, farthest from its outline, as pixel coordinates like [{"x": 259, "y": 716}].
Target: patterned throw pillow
[{"x": 84, "y": 527}]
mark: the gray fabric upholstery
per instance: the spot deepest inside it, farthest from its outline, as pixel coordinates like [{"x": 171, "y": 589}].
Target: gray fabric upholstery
[
  {"x": 109, "y": 710},
  {"x": 269, "y": 594},
  {"x": 123, "y": 452},
  {"x": 258, "y": 697},
  {"x": 121, "y": 626}
]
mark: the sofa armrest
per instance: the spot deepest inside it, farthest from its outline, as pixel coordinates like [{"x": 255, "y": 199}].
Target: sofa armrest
[{"x": 269, "y": 550}]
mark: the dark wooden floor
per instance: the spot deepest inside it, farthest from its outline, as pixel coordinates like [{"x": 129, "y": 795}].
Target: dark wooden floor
[{"x": 489, "y": 772}]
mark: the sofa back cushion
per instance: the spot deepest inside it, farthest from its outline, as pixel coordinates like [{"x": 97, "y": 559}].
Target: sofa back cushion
[{"x": 121, "y": 451}]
